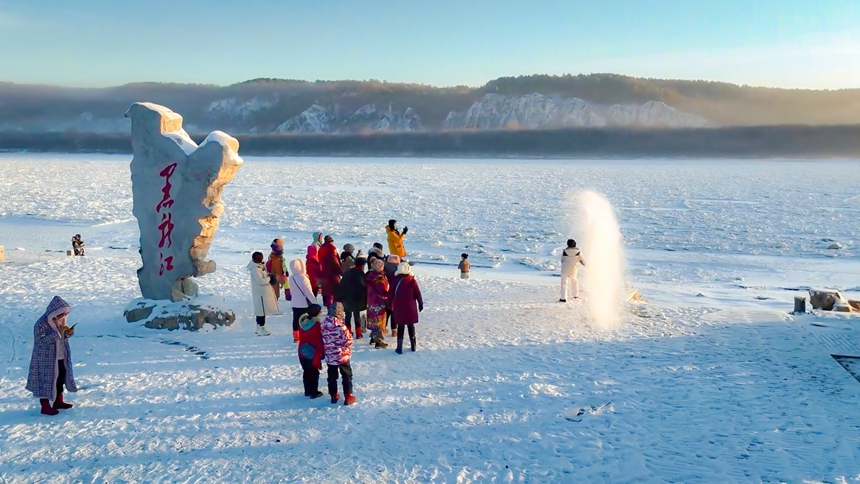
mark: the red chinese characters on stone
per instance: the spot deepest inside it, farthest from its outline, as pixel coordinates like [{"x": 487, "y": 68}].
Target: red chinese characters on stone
[
  {"x": 166, "y": 228},
  {"x": 166, "y": 201},
  {"x": 166, "y": 225},
  {"x": 166, "y": 264}
]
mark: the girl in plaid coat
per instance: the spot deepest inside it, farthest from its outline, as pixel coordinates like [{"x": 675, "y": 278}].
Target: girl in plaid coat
[{"x": 51, "y": 363}]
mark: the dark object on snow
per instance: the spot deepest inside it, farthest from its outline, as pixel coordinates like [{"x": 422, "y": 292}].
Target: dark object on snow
[
  {"x": 799, "y": 305},
  {"x": 78, "y": 244}
]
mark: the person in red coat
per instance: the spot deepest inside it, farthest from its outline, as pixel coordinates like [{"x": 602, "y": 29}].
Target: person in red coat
[
  {"x": 331, "y": 271},
  {"x": 311, "y": 350},
  {"x": 312, "y": 263},
  {"x": 406, "y": 303}
]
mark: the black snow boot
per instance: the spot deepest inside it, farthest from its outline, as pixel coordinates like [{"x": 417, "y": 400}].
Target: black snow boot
[
  {"x": 412, "y": 342},
  {"x": 399, "y": 349}
]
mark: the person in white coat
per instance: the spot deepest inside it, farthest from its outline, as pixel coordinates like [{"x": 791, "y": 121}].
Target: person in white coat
[
  {"x": 571, "y": 259},
  {"x": 301, "y": 292},
  {"x": 262, "y": 293}
]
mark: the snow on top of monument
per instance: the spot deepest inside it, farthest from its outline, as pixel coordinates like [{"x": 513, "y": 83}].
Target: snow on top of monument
[
  {"x": 182, "y": 140},
  {"x": 226, "y": 141},
  {"x": 163, "y": 110}
]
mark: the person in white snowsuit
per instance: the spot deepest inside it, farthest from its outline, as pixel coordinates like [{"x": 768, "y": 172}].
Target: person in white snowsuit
[
  {"x": 571, "y": 258},
  {"x": 262, "y": 293}
]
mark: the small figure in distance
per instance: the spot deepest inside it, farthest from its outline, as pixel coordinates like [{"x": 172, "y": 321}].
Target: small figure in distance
[
  {"x": 464, "y": 266},
  {"x": 78, "y": 245},
  {"x": 571, "y": 258}
]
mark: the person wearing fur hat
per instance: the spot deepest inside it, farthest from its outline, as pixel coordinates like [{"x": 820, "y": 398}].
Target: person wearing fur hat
[
  {"x": 277, "y": 267},
  {"x": 571, "y": 259},
  {"x": 347, "y": 259},
  {"x": 377, "y": 303},
  {"x": 262, "y": 293},
  {"x": 337, "y": 341},
  {"x": 395, "y": 239},
  {"x": 331, "y": 270},
  {"x": 51, "y": 362},
  {"x": 374, "y": 254},
  {"x": 311, "y": 350},
  {"x": 312, "y": 263},
  {"x": 406, "y": 304}
]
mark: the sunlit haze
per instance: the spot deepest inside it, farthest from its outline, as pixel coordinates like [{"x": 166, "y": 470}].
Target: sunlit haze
[{"x": 779, "y": 43}]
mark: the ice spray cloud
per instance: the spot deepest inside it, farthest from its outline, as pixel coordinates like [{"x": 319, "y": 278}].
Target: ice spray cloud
[{"x": 604, "y": 258}]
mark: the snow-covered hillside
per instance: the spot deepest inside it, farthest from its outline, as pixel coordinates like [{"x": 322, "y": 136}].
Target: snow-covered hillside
[
  {"x": 237, "y": 109},
  {"x": 317, "y": 119},
  {"x": 495, "y": 111}
]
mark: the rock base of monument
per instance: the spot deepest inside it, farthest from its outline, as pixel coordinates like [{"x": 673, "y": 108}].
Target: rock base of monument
[{"x": 191, "y": 314}]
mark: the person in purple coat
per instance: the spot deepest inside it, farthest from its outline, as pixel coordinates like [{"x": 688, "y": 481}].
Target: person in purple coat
[
  {"x": 51, "y": 363},
  {"x": 406, "y": 303}
]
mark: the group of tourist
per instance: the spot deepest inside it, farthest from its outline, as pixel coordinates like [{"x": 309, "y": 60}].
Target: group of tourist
[
  {"x": 359, "y": 292},
  {"x": 353, "y": 299}
]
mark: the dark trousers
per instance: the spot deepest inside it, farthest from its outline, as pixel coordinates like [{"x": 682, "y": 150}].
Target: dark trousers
[
  {"x": 297, "y": 313},
  {"x": 261, "y": 320},
  {"x": 346, "y": 375},
  {"x": 350, "y": 314},
  {"x": 310, "y": 376},
  {"x": 401, "y": 332},
  {"x": 61, "y": 375}
]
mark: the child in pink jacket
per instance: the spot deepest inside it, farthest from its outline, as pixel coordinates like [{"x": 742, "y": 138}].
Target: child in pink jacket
[{"x": 337, "y": 341}]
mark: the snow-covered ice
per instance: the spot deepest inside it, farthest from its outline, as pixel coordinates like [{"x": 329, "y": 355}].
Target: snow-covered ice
[{"x": 711, "y": 380}]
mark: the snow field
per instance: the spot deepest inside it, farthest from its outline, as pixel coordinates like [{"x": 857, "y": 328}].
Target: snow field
[{"x": 710, "y": 381}]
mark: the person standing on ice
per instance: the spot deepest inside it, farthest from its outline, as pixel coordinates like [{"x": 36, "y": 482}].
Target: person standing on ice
[
  {"x": 377, "y": 302},
  {"x": 571, "y": 259},
  {"x": 347, "y": 259},
  {"x": 262, "y": 294},
  {"x": 391, "y": 263},
  {"x": 406, "y": 303},
  {"x": 277, "y": 267},
  {"x": 337, "y": 341},
  {"x": 301, "y": 294},
  {"x": 395, "y": 239},
  {"x": 331, "y": 270},
  {"x": 312, "y": 263},
  {"x": 78, "y": 244},
  {"x": 464, "y": 266},
  {"x": 51, "y": 362},
  {"x": 311, "y": 350},
  {"x": 352, "y": 292}
]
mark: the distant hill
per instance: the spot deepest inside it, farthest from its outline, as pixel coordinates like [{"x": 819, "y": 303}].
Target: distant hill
[{"x": 263, "y": 106}]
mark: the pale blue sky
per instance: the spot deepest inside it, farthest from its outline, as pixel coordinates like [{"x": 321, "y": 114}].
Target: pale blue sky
[{"x": 787, "y": 43}]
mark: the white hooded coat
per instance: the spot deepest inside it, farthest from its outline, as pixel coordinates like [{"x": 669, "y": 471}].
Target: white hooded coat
[
  {"x": 571, "y": 259},
  {"x": 301, "y": 290},
  {"x": 262, "y": 292}
]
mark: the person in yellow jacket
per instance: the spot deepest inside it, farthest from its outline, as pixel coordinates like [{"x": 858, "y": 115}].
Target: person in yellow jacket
[{"x": 395, "y": 239}]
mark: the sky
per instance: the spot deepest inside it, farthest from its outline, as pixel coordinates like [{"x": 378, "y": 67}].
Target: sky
[{"x": 95, "y": 43}]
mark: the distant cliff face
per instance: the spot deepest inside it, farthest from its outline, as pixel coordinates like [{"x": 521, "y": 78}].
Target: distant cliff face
[
  {"x": 532, "y": 111},
  {"x": 523, "y": 102},
  {"x": 317, "y": 120}
]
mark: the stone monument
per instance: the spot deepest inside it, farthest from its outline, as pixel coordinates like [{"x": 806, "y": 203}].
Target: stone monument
[{"x": 177, "y": 188}]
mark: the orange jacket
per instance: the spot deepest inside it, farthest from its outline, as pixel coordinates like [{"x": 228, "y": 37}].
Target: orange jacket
[{"x": 395, "y": 243}]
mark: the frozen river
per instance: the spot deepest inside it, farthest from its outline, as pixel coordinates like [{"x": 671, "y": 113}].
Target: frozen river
[{"x": 710, "y": 380}]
